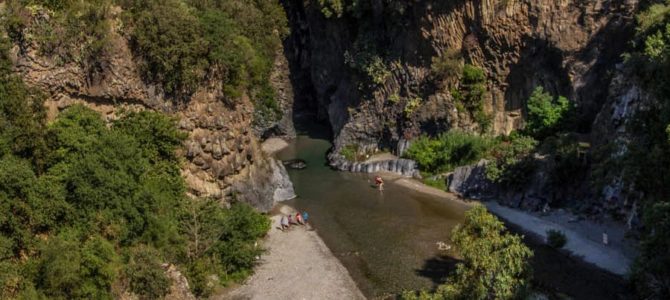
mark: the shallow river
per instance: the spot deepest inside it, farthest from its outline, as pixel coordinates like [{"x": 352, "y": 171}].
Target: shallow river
[{"x": 387, "y": 240}]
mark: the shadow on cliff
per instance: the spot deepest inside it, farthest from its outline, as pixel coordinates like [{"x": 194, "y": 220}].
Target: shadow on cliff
[{"x": 543, "y": 64}]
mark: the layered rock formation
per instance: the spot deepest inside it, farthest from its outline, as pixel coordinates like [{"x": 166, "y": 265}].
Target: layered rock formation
[
  {"x": 223, "y": 155},
  {"x": 569, "y": 47}
]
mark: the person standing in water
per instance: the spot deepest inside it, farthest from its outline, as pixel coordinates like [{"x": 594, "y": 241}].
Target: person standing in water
[{"x": 379, "y": 182}]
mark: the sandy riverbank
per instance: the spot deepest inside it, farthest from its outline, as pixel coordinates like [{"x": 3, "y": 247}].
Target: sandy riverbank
[
  {"x": 584, "y": 237},
  {"x": 297, "y": 265},
  {"x": 273, "y": 145}
]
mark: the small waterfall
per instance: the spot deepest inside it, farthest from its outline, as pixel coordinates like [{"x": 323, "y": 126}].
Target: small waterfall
[{"x": 404, "y": 167}]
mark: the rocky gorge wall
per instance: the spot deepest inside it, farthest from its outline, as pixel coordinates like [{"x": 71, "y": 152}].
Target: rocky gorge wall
[
  {"x": 223, "y": 158},
  {"x": 569, "y": 47},
  {"x": 572, "y": 48}
]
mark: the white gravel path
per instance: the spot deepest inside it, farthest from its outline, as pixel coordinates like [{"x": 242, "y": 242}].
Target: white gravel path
[{"x": 604, "y": 256}]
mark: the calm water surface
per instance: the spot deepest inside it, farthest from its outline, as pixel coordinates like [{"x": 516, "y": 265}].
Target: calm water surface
[{"x": 387, "y": 240}]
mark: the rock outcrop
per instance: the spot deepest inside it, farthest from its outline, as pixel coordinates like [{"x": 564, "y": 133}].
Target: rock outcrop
[
  {"x": 569, "y": 47},
  {"x": 223, "y": 156}
]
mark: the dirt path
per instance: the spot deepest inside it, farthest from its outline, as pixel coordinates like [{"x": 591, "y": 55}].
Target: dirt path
[
  {"x": 609, "y": 257},
  {"x": 583, "y": 236},
  {"x": 297, "y": 265}
]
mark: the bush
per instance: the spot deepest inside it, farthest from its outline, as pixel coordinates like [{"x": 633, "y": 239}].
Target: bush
[
  {"x": 145, "y": 274},
  {"x": 220, "y": 242},
  {"x": 556, "y": 239},
  {"x": 74, "y": 31},
  {"x": 448, "y": 65},
  {"x": 495, "y": 263},
  {"x": 470, "y": 95},
  {"x": 448, "y": 151},
  {"x": 350, "y": 152},
  {"x": 170, "y": 40},
  {"x": 511, "y": 163},
  {"x": 545, "y": 114}
]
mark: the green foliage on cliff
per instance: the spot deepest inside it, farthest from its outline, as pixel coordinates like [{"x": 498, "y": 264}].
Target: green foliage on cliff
[
  {"x": 470, "y": 95},
  {"x": 68, "y": 31},
  {"x": 646, "y": 162},
  {"x": 106, "y": 193},
  {"x": 511, "y": 163},
  {"x": 546, "y": 114},
  {"x": 181, "y": 44},
  {"x": 495, "y": 263},
  {"x": 22, "y": 115},
  {"x": 448, "y": 151}
]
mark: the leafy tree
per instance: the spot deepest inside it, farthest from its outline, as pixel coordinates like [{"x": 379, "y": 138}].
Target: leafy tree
[
  {"x": 22, "y": 114},
  {"x": 169, "y": 38},
  {"x": 449, "y": 150},
  {"x": 511, "y": 164},
  {"x": 70, "y": 269},
  {"x": 651, "y": 272},
  {"x": 495, "y": 263},
  {"x": 145, "y": 274},
  {"x": 545, "y": 113}
]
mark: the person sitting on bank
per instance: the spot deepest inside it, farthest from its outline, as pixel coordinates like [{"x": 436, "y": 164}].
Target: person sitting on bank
[
  {"x": 305, "y": 215},
  {"x": 298, "y": 218}
]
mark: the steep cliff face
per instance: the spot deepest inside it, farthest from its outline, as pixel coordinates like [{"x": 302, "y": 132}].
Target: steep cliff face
[
  {"x": 569, "y": 47},
  {"x": 223, "y": 155}
]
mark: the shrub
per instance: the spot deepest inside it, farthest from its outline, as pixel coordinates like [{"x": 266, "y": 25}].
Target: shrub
[
  {"x": 169, "y": 38},
  {"x": 470, "y": 95},
  {"x": 545, "y": 113},
  {"x": 511, "y": 163},
  {"x": 448, "y": 65},
  {"x": 145, "y": 274},
  {"x": 495, "y": 262},
  {"x": 556, "y": 239},
  {"x": 449, "y": 150},
  {"x": 350, "y": 152}
]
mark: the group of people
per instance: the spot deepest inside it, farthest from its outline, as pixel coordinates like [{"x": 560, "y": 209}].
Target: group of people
[{"x": 297, "y": 219}]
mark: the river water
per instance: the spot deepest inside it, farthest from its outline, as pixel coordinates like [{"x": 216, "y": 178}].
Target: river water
[{"x": 386, "y": 239}]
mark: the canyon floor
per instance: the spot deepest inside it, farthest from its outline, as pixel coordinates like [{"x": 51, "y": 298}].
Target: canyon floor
[
  {"x": 584, "y": 237},
  {"x": 297, "y": 265}
]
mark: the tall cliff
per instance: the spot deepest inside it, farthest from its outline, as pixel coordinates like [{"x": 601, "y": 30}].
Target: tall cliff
[
  {"x": 223, "y": 158},
  {"x": 569, "y": 47}
]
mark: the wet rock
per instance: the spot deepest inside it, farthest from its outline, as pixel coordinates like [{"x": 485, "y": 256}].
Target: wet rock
[
  {"x": 470, "y": 181},
  {"x": 296, "y": 164}
]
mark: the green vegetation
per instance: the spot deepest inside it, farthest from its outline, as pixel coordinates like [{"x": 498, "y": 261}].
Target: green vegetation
[
  {"x": 350, "y": 152},
  {"x": 68, "y": 31},
  {"x": 411, "y": 106},
  {"x": 470, "y": 95},
  {"x": 437, "y": 182},
  {"x": 556, "y": 238},
  {"x": 511, "y": 161},
  {"x": 495, "y": 263},
  {"x": 367, "y": 59},
  {"x": 86, "y": 207},
  {"x": 646, "y": 163},
  {"x": 447, "y": 66},
  {"x": 448, "y": 151},
  {"x": 181, "y": 43},
  {"x": 545, "y": 114}
]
